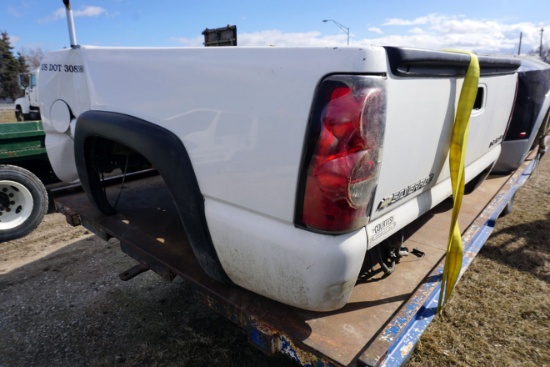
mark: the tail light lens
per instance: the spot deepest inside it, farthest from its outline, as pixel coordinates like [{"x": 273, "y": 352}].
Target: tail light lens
[{"x": 343, "y": 153}]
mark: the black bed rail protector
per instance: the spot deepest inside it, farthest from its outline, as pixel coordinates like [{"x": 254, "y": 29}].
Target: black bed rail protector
[{"x": 413, "y": 62}]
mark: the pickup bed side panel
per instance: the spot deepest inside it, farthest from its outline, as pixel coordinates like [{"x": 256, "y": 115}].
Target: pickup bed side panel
[
  {"x": 162, "y": 148},
  {"x": 240, "y": 112},
  {"x": 262, "y": 254}
]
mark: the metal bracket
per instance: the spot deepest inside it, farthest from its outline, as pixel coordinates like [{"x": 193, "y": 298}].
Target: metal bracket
[{"x": 133, "y": 272}]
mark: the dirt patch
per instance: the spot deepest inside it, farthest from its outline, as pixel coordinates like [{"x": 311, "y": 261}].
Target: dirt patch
[{"x": 62, "y": 303}]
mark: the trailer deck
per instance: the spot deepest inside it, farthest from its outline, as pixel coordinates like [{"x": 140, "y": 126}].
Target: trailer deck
[{"x": 384, "y": 317}]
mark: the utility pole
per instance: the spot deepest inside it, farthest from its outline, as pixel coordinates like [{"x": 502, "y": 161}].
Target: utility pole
[
  {"x": 540, "y": 50},
  {"x": 519, "y": 48}
]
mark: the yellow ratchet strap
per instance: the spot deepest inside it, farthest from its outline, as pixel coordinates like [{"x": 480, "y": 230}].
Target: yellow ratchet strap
[{"x": 457, "y": 154}]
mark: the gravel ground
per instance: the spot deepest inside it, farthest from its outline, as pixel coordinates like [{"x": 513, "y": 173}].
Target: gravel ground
[{"x": 63, "y": 304}]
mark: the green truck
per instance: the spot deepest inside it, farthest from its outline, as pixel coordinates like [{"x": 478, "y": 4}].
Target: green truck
[{"x": 24, "y": 172}]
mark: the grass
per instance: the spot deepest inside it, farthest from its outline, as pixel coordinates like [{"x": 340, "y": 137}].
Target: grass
[{"x": 7, "y": 116}]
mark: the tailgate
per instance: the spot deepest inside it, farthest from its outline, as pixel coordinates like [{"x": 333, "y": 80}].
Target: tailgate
[{"x": 423, "y": 92}]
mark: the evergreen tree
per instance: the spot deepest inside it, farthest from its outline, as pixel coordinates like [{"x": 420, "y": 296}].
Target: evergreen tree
[{"x": 10, "y": 68}]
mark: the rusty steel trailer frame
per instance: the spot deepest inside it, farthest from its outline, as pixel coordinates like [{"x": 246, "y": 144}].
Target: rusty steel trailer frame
[{"x": 384, "y": 318}]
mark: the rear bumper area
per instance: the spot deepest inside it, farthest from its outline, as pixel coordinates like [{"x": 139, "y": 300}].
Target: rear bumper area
[{"x": 293, "y": 266}]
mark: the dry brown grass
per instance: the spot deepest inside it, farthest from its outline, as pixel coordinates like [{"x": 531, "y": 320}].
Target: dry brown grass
[
  {"x": 499, "y": 314},
  {"x": 7, "y": 115}
]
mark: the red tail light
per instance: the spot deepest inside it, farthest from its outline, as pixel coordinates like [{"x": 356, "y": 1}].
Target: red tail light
[{"x": 341, "y": 162}]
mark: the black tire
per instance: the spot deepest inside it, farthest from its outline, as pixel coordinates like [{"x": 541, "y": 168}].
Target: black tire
[
  {"x": 23, "y": 202},
  {"x": 543, "y": 131},
  {"x": 19, "y": 115},
  {"x": 34, "y": 115},
  {"x": 545, "y": 126}
]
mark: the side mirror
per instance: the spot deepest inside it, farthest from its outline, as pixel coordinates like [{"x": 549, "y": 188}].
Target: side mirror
[{"x": 23, "y": 81}]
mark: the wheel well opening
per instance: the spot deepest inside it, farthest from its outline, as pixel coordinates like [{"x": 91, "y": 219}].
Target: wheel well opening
[
  {"x": 134, "y": 188},
  {"x": 111, "y": 157},
  {"x": 106, "y": 141}
]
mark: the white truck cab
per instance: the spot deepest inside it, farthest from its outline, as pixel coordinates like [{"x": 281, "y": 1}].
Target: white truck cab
[{"x": 27, "y": 107}]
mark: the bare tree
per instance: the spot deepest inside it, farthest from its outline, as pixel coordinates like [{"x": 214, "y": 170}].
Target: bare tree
[{"x": 33, "y": 56}]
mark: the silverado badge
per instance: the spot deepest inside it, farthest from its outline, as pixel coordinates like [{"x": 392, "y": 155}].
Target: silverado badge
[{"x": 395, "y": 197}]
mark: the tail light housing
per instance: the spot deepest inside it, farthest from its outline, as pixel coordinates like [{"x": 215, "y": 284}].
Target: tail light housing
[
  {"x": 342, "y": 154},
  {"x": 522, "y": 115}
]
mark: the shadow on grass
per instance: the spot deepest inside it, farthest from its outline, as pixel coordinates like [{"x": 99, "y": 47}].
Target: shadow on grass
[{"x": 524, "y": 247}]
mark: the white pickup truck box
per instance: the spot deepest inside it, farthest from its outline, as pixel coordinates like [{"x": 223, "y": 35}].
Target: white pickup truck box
[{"x": 285, "y": 164}]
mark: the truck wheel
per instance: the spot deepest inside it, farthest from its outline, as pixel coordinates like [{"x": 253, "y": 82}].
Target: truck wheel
[
  {"x": 19, "y": 115},
  {"x": 543, "y": 130},
  {"x": 23, "y": 202},
  {"x": 545, "y": 126},
  {"x": 34, "y": 115}
]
